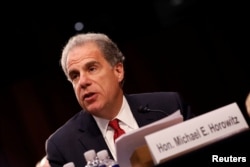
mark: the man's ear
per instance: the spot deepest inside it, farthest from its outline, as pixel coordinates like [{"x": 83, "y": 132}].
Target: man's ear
[{"x": 119, "y": 71}]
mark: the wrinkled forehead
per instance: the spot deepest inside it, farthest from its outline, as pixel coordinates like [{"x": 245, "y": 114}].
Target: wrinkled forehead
[{"x": 84, "y": 54}]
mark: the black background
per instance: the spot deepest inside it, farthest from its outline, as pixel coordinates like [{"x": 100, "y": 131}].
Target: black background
[{"x": 198, "y": 48}]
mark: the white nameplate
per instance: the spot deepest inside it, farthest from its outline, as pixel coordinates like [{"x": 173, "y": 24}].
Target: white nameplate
[{"x": 195, "y": 133}]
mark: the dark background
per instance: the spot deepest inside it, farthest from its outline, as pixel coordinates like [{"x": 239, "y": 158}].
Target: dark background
[{"x": 198, "y": 48}]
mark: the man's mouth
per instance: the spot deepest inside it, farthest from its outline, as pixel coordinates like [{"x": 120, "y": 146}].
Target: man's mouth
[{"x": 88, "y": 96}]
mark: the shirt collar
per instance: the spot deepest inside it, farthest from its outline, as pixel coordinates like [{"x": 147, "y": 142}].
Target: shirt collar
[{"x": 125, "y": 116}]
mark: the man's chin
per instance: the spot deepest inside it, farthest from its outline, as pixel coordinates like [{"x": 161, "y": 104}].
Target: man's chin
[{"x": 93, "y": 110}]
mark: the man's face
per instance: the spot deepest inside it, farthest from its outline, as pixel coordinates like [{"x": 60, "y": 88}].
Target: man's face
[{"x": 95, "y": 81}]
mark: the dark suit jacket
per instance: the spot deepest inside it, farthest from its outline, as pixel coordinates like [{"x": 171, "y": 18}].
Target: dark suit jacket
[{"x": 81, "y": 133}]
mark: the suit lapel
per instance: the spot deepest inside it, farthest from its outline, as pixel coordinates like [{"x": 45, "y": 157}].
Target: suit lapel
[{"x": 91, "y": 137}]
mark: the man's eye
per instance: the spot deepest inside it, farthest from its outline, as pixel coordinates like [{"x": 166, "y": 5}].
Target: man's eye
[
  {"x": 92, "y": 69},
  {"x": 73, "y": 76}
]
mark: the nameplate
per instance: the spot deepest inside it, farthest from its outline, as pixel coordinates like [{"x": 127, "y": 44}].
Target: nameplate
[{"x": 195, "y": 133}]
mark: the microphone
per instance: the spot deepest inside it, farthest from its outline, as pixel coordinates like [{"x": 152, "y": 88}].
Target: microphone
[{"x": 145, "y": 109}]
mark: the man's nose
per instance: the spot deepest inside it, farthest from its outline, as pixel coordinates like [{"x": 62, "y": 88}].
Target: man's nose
[{"x": 84, "y": 81}]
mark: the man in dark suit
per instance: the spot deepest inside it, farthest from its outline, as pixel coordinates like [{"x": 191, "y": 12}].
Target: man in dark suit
[{"x": 93, "y": 63}]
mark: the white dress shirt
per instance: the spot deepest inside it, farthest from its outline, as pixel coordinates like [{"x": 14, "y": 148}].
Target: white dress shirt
[{"x": 127, "y": 123}]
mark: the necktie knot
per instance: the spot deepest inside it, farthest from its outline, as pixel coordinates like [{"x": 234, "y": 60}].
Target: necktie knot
[{"x": 117, "y": 130}]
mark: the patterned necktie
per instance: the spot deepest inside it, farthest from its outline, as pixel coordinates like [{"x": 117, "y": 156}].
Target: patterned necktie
[{"x": 117, "y": 130}]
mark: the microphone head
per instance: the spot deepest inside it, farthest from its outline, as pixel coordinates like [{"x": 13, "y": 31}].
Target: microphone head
[{"x": 143, "y": 109}]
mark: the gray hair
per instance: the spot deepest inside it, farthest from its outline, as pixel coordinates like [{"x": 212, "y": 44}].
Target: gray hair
[{"x": 109, "y": 49}]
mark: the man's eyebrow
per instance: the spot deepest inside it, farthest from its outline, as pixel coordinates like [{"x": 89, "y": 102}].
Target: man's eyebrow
[
  {"x": 87, "y": 65},
  {"x": 90, "y": 63}
]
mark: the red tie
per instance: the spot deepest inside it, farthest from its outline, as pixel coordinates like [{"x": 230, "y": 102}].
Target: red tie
[{"x": 117, "y": 130}]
